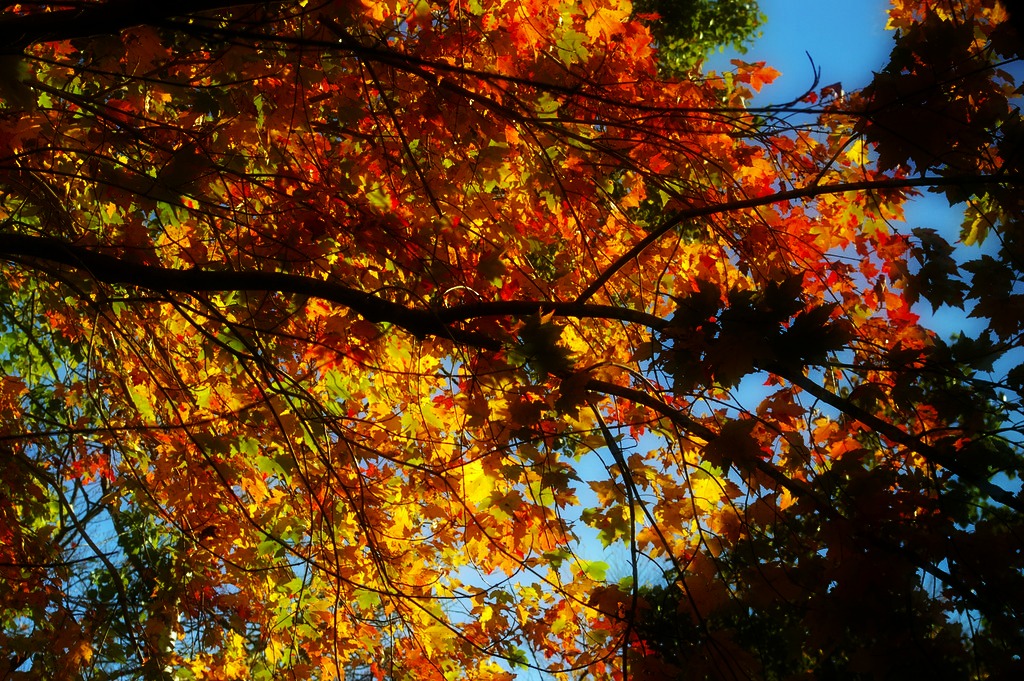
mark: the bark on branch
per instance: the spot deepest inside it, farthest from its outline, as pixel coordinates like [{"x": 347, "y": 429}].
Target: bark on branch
[{"x": 43, "y": 252}]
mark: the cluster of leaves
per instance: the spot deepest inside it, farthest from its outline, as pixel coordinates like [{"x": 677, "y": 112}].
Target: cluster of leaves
[
  {"x": 684, "y": 29},
  {"x": 707, "y": 340},
  {"x": 317, "y": 317}
]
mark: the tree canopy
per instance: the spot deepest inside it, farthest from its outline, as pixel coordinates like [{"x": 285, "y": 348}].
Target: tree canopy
[{"x": 338, "y": 338}]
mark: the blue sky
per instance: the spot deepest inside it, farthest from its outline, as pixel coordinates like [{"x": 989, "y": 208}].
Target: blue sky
[{"x": 847, "y": 40}]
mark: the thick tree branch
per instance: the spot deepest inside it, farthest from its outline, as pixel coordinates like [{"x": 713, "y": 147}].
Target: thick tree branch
[
  {"x": 34, "y": 251},
  {"x": 110, "y": 269},
  {"x": 43, "y": 251}
]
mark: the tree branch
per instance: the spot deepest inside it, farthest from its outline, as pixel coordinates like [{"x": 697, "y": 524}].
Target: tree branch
[
  {"x": 780, "y": 197},
  {"x": 900, "y": 436},
  {"x": 34, "y": 251}
]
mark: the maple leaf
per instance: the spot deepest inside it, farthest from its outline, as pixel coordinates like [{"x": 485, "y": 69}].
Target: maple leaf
[
  {"x": 757, "y": 75},
  {"x": 606, "y": 22},
  {"x": 540, "y": 347}
]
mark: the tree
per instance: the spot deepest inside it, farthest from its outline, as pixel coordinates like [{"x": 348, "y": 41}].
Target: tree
[{"x": 316, "y": 316}]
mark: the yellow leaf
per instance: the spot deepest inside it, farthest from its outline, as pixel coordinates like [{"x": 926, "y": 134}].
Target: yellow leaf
[
  {"x": 274, "y": 651},
  {"x": 607, "y": 21},
  {"x": 477, "y": 483},
  {"x": 856, "y": 152},
  {"x": 81, "y": 653},
  {"x": 633, "y": 198}
]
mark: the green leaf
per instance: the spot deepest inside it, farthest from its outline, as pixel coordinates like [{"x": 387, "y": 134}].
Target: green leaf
[{"x": 595, "y": 569}]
